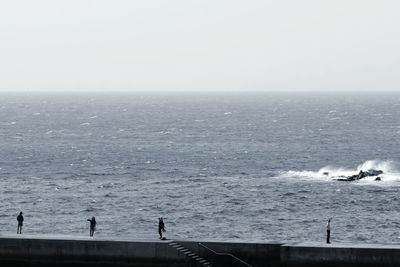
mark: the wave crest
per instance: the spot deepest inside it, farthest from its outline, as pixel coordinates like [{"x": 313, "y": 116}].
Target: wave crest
[{"x": 328, "y": 173}]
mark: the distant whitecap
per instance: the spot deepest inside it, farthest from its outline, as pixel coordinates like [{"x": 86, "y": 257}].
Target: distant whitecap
[{"x": 330, "y": 173}]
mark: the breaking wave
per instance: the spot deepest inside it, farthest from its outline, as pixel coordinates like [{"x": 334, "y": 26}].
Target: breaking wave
[{"x": 328, "y": 173}]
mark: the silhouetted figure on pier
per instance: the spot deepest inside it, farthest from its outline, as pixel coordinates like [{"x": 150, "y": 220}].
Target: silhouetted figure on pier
[
  {"x": 328, "y": 232},
  {"x": 20, "y": 220},
  {"x": 92, "y": 226},
  {"x": 161, "y": 228}
]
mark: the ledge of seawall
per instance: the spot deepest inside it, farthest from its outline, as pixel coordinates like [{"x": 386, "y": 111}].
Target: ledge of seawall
[
  {"x": 66, "y": 251},
  {"x": 17, "y": 251},
  {"x": 340, "y": 255}
]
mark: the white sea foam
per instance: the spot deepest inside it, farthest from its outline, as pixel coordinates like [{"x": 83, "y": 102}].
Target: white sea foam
[{"x": 328, "y": 173}]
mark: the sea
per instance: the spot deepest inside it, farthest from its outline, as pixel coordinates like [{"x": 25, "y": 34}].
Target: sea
[{"x": 251, "y": 167}]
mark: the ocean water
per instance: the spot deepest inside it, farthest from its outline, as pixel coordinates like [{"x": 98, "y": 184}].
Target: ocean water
[{"x": 246, "y": 167}]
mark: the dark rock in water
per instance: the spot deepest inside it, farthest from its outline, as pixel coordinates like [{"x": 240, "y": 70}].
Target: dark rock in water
[
  {"x": 374, "y": 172},
  {"x": 361, "y": 175},
  {"x": 325, "y": 173},
  {"x": 378, "y": 179}
]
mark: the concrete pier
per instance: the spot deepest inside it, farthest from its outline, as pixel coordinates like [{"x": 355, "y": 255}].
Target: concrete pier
[
  {"x": 339, "y": 255},
  {"x": 68, "y": 251},
  {"x": 81, "y": 252}
]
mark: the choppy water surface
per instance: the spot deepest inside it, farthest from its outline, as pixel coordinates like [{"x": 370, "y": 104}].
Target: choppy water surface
[{"x": 228, "y": 167}]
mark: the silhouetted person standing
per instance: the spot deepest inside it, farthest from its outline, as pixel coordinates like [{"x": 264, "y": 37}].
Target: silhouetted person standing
[
  {"x": 161, "y": 227},
  {"x": 328, "y": 232},
  {"x": 92, "y": 226},
  {"x": 20, "y": 220}
]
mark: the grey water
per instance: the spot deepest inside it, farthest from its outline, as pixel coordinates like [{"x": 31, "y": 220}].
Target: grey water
[{"x": 246, "y": 167}]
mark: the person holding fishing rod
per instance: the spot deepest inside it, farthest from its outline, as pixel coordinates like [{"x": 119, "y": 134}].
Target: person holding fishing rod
[{"x": 328, "y": 231}]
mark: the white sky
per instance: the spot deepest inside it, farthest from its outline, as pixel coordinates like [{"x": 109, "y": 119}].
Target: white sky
[{"x": 183, "y": 45}]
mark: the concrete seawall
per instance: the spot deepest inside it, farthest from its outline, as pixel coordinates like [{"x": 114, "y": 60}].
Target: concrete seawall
[
  {"x": 339, "y": 255},
  {"x": 64, "y": 252},
  {"x": 56, "y": 251}
]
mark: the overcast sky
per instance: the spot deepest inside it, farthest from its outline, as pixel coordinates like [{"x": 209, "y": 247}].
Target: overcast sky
[{"x": 204, "y": 45}]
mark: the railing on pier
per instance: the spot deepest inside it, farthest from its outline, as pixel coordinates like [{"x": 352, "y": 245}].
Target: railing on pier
[{"x": 225, "y": 254}]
